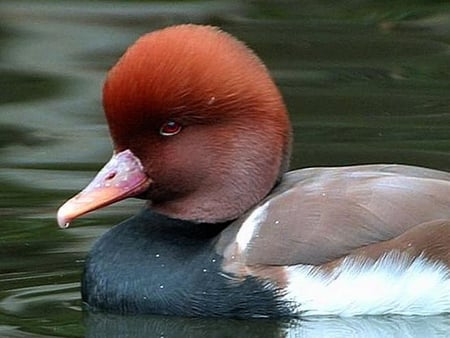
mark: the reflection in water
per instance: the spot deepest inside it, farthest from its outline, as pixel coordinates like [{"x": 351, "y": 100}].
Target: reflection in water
[
  {"x": 359, "y": 90},
  {"x": 100, "y": 325}
]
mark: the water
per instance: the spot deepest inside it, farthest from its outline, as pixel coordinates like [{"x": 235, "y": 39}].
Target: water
[{"x": 364, "y": 83}]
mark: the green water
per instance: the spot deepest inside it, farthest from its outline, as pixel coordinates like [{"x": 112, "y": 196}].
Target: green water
[{"x": 364, "y": 81}]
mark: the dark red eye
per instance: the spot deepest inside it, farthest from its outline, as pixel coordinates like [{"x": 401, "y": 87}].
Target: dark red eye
[{"x": 170, "y": 128}]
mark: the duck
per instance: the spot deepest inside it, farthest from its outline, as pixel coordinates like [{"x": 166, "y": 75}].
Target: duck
[{"x": 200, "y": 131}]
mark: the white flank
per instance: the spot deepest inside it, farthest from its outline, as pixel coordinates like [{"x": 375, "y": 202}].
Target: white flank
[
  {"x": 250, "y": 225},
  {"x": 391, "y": 285}
]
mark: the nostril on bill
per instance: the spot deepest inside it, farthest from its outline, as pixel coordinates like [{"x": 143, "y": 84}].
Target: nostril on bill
[{"x": 110, "y": 176}]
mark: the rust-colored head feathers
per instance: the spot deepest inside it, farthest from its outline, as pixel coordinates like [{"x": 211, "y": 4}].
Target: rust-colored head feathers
[
  {"x": 192, "y": 72},
  {"x": 232, "y": 135}
]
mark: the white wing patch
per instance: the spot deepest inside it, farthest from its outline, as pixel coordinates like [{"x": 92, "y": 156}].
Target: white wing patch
[
  {"x": 250, "y": 226},
  {"x": 391, "y": 285}
]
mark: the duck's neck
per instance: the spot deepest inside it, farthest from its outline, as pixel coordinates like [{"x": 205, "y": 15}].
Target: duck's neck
[{"x": 154, "y": 264}]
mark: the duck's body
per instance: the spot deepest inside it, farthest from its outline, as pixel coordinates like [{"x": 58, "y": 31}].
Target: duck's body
[
  {"x": 241, "y": 269},
  {"x": 226, "y": 231}
]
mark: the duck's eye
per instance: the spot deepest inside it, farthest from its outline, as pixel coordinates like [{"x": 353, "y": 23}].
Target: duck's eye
[{"x": 170, "y": 128}]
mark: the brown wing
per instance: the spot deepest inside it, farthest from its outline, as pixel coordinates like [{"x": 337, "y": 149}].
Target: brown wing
[
  {"x": 317, "y": 215},
  {"x": 431, "y": 239}
]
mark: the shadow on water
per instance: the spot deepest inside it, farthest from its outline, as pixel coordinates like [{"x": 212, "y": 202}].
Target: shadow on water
[{"x": 364, "y": 81}]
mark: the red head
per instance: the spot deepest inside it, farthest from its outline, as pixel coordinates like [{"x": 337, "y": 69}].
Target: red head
[{"x": 199, "y": 111}]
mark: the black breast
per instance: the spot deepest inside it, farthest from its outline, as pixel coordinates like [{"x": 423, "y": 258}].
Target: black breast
[{"x": 151, "y": 264}]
